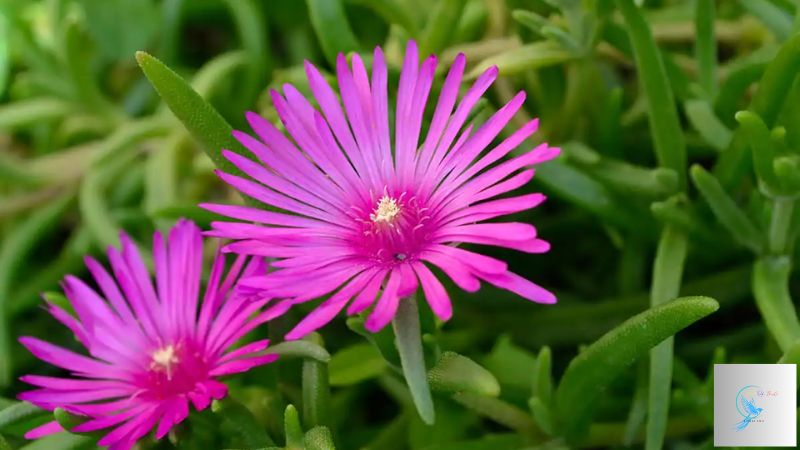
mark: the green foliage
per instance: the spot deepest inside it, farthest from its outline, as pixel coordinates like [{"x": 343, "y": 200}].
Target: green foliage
[{"x": 679, "y": 176}]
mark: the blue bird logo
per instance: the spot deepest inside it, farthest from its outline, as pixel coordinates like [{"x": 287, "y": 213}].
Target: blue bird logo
[{"x": 746, "y": 407}]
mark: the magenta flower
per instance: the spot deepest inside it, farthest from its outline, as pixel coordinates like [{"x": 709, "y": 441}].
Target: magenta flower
[
  {"x": 360, "y": 214},
  {"x": 153, "y": 350}
]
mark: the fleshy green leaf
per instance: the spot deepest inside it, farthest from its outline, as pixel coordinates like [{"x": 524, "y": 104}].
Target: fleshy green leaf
[
  {"x": 499, "y": 411},
  {"x": 542, "y": 414},
  {"x": 768, "y": 101},
  {"x": 667, "y": 274},
  {"x": 776, "y": 19},
  {"x": 292, "y": 429},
  {"x": 355, "y": 364},
  {"x": 61, "y": 441},
  {"x": 316, "y": 389},
  {"x": 705, "y": 47},
  {"x": 201, "y": 119},
  {"x": 543, "y": 378},
  {"x": 511, "y": 364},
  {"x": 412, "y": 358},
  {"x": 332, "y": 28},
  {"x": 702, "y": 117},
  {"x": 590, "y": 373},
  {"x": 525, "y": 58},
  {"x": 771, "y": 291},
  {"x": 439, "y": 27},
  {"x": 318, "y": 438},
  {"x": 763, "y": 148},
  {"x": 238, "y": 418},
  {"x": 664, "y": 123},
  {"x": 120, "y": 27},
  {"x": 20, "y": 412},
  {"x": 301, "y": 349},
  {"x": 726, "y": 211},
  {"x": 29, "y": 112},
  {"x": 457, "y": 373},
  {"x": 393, "y": 11}
]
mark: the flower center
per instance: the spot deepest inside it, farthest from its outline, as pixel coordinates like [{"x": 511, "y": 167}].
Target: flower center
[
  {"x": 174, "y": 369},
  {"x": 386, "y": 210},
  {"x": 164, "y": 359},
  {"x": 392, "y": 231}
]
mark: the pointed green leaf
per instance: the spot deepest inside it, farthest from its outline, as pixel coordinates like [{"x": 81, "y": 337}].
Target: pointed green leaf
[
  {"x": 382, "y": 340},
  {"x": 292, "y": 429},
  {"x": 300, "y": 349},
  {"x": 763, "y": 148},
  {"x": 771, "y": 291},
  {"x": 60, "y": 441},
  {"x": 20, "y": 412},
  {"x": 522, "y": 59},
  {"x": 768, "y": 102},
  {"x": 332, "y": 28},
  {"x": 726, "y": 210},
  {"x": 530, "y": 19},
  {"x": 457, "y": 373},
  {"x": 590, "y": 373},
  {"x": 120, "y": 27},
  {"x": 394, "y": 12},
  {"x": 664, "y": 123},
  {"x": 705, "y": 47},
  {"x": 542, "y": 415},
  {"x": 701, "y": 116},
  {"x": 511, "y": 365},
  {"x": 667, "y": 274},
  {"x": 499, "y": 411},
  {"x": 235, "y": 416},
  {"x": 355, "y": 364},
  {"x": 29, "y": 112},
  {"x": 543, "y": 378},
  {"x": 201, "y": 119},
  {"x": 776, "y": 19},
  {"x": 439, "y": 27}
]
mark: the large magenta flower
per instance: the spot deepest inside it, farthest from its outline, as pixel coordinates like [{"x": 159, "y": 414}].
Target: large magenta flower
[
  {"x": 153, "y": 350},
  {"x": 360, "y": 214}
]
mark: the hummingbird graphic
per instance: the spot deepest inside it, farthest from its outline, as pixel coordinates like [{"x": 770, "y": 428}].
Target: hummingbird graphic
[{"x": 747, "y": 409}]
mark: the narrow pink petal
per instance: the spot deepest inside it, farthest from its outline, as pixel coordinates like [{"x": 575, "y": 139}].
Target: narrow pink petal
[
  {"x": 367, "y": 295},
  {"x": 520, "y": 286},
  {"x": 460, "y": 273},
  {"x": 325, "y": 312},
  {"x": 386, "y": 307},
  {"x": 44, "y": 430},
  {"x": 435, "y": 293}
]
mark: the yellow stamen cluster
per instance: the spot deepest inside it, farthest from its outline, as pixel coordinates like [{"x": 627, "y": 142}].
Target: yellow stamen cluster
[{"x": 386, "y": 210}]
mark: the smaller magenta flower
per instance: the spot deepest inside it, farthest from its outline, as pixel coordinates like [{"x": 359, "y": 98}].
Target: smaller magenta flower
[
  {"x": 367, "y": 210},
  {"x": 153, "y": 350}
]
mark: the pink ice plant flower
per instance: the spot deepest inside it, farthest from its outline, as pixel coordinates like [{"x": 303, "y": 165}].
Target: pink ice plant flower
[
  {"x": 153, "y": 350},
  {"x": 360, "y": 214}
]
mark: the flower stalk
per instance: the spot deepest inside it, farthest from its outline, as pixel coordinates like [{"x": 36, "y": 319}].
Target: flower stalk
[{"x": 412, "y": 357}]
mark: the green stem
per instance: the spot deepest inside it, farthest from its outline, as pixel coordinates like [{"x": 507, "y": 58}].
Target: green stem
[
  {"x": 771, "y": 291},
  {"x": 316, "y": 389},
  {"x": 412, "y": 357},
  {"x": 782, "y": 209},
  {"x": 667, "y": 272}
]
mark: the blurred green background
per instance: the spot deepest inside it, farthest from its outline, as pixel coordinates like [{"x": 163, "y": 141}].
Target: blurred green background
[{"x": 635, "y": 93}]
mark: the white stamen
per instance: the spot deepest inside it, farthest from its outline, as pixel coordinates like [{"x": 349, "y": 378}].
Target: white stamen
[
  {"x": 386, "y": 210},
  {"x": 164, "y": 359}
]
